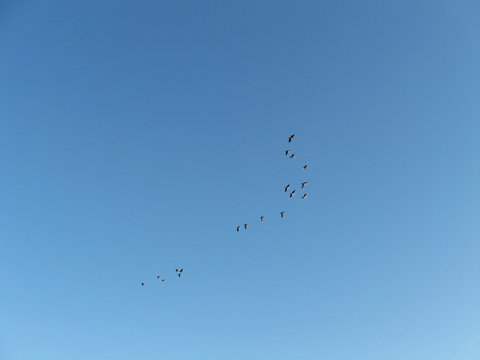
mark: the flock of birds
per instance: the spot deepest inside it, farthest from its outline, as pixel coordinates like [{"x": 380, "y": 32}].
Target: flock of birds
[
  {"x": 179, "y": 272},
  {"x": 292, "y": 193}
]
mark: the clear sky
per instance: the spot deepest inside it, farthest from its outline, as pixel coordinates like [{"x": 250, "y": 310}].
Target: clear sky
[{"x": 136, "y": 135}]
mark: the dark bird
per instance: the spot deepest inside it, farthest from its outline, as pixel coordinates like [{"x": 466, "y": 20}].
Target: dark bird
[
  {"x": 304, "y": 196},
  {"x": 158, "y": 276},
  {"x": 238, "y": 228},
  {"x": 287, "y": 151},
  {"x": 261, "y": 218},
  {"x": 282, "y": 213},
  {"x": 181, "y": 270},
  {"x": 179, "y": 275},
  {"x": 143, "y": 284},
  {"x": 292, "y": 156},
  {"x": 176, "y": 270},
  {"x": 163, "y": 280},
  {"x": 291, "y": 138},
  {"x": 292, "y": 193},
  {"x": 304, "y": 183},
  {"x": 305, "y": 167},
  {"x": 286, "y": 187},
  {"x": 245, "y": 226}
]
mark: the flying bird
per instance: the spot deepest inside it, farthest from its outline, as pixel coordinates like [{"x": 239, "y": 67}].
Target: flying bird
[
  {"x": 304, "y": 196},
  {"x": 282, "y": 213},
  {"x": 143, "y": 284},
  {"x": 261, "y": 218},
  {"x": 245, "y": 226},
  {"x": 304, "y": 183},
  {"x": 238, "y": 228},
  {"x": 305, "y": 167},
  {"x": 179, "y": 275},
  {"x": 286, "y": 187},
  {"x": 292, "y": 156},
  {"x": 291, "y": 138},
  {"x": 158, "y": 276},
  {"x": 287, "y": 151},
  {"x": 292, "y": 193}
]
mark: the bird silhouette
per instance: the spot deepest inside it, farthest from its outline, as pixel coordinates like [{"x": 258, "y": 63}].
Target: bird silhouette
[
  {"x": 287, "y": 151},
  {"x": 305, "y": 167},
  {"x": 304, "y": 196},
  {"x": 304, "y": 183},
  {"x": 143, "y": 284},
  {"x": 292, "y": 156},
  {"x": 282, "y": 213},
  {"x": 238, "y": 228},
  {"x": 261, "y": 218},
  {"x": 286, "y": 187},
  {"x": 292, "y": 193},
  {"x": 291, "y": 138},
  {"x": 245, "y": 226}
]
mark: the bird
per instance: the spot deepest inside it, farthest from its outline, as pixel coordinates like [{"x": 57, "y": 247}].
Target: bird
[
  {"x": 286, "y": 187},
  {"x": 261, "y": 218},
  {"x": 181, "y": 270},
  {"x": 179, "y": 275},
  {"x": 245, "y": 226},
  {"x": 291, "y": 138},
  {"x": 304, "y": 183},
  {"x": 292, "y": 193},
  {"x": 238, "y": 228},
  {"x": 292, "y": 156},
  {"x": 282, "y": 213},
  {"x": 305, "y": 167},
  {"x": 158, "y": 276},
  {"x": 287, "y": 151},
  {"x": 304, "y": 196},
  {"x": 163, "y": 280},
  {"x": 143, "y": 284}
]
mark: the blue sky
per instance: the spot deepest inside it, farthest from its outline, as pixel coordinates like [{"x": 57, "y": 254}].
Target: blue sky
[{"x": 135, "y": 137}]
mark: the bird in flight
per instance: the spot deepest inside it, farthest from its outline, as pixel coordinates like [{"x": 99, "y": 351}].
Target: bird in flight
[
  {"x": 282, "y": 213},
  {"x": 245, "y": 226},
  {"x": 304, "y": 183},
  {"x": 238, "y": 228},
  {"x": 292, "y": 193},
  {"x": 261, "y": 218},
  {"x": 291, "y": 138},
  {"x": 143, "y": 284},
  {"x": 286, "y": 187},
  {"x": 305, "y": 167},
  {"x": 304, "y": 196},
  {"x": 287, "y": 151},
  {"x": 292, "y": 156},
  {"x": 179, "y": 272}
]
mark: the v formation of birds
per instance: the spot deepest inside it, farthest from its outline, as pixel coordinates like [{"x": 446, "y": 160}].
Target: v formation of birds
[
  {"x": 179, "y": 272},
  {"x": 291, "y": 194}
]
